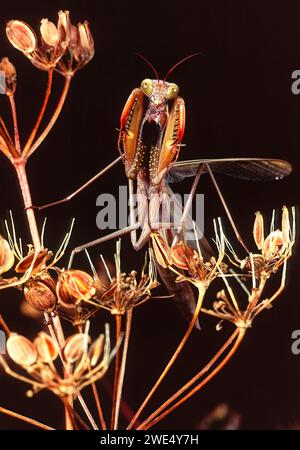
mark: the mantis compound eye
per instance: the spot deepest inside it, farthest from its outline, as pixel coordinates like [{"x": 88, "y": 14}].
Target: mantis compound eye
[
  {"x": 173, "y": 91},
  {"x": 147, "y": 87}
]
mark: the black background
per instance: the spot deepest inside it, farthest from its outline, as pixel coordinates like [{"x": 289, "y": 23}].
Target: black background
[{"x": 239, "y": 103}]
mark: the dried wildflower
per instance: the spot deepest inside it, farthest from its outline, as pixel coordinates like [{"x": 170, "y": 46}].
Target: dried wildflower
[
  {"x": 276, "y": 248},
  {"x": 125, "y": 291},
  {"x": 80, "y": 51},
  {"x": 83, "y": 363},
  {"x": 180, "y": 255},
  {"x": 54, "y": 40},
  {"x": 10, "y": 76}
]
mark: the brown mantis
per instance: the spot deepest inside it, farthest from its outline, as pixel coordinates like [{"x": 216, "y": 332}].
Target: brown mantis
[{"x": 165, "y": 112}]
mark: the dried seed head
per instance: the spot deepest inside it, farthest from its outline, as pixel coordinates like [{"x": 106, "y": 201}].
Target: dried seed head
[
  {"x": 96, "y": 350},
  {"x": 21, "y": 350},
  {"x": 274, "y": 245},
  {"x": 46, "y": 348},
  {"x": 49, "y": 33},
  {"x": 10, "y": 74},
  {"x": 258, "y": 230},
  {"x": 74, "y": 286},
  {"x": 39, "y": 295},
  {"x": 74, "y": 347},
  {"x": 21, "y": 36},
  {"x": 39, "y": 258},
  {"x": 6, "y": 256}
]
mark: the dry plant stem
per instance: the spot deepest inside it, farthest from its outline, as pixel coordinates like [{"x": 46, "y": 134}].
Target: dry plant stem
[
  {"x": 53, "y": 119},
  {"x": 99, "y": 407},
  {"x": 4, "y": 325},
  {"x": 41, "y": 114},
  {"x": 122, "y": 370},
  {"x": 15, "y": 121},
  {"x": 87, "y": 411},
  {"x": 201, "y": 293},
  {"x": 240, "y": 332},
  {"x": 118, "y": 319},
  {"x": 33, "y": 422}
]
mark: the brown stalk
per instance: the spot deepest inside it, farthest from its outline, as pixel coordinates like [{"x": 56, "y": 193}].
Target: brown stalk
[
  {"x": 99, "y": 407},
  {"x": 53, "y": 119},
  {"x": 33, "y": 422},
  {"x": 240, "y": 333},
  {"x": 15, "y": 121},
  {"x": 120, "y": 383},
  {"x": 201, "y": 293},
  {"x": 41, "y": 114},
  {"x": 118, "y": 320}
]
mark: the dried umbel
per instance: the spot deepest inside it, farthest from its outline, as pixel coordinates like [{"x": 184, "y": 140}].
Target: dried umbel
[
  {"x": 84, "y": 363},
  {"x": 10, "y": 76},
  {"x": 187, "y": 261},
  {"x": 54, "y": 40},
  {"x": 126, "y": 291},
  {"x": 276, "y": 249}
]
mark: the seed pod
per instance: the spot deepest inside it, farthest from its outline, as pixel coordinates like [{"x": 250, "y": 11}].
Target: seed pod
[
  {"x": 74, "y": 286},
  {"x": 21, "y": 350},
  {"x": 96, "y": 350},
  {"x": 46, "y": 348},
  {"x": 39, "y": 295},
  {"x": 74, "y": 347},
  {"x": 84, "y": 49},
  {"x": 258, "y": 230},
  {"x": 10, "y": 74},
  {"x": 64, "y": 28},
  {"x": 274, "y": 245},
  {"x": 40, "y": 260},
  {"x": 21, "y": 36},
  {"x": 49, "y": 33},
  {"x": 7, "y": 258}
]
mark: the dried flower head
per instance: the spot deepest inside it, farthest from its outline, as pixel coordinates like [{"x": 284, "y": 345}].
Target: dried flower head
[
  {"x": 80, "y": 51},
  {"x": 54, "y": 40},
  {"x": 125, "y": 291},
  {"x": 276, "y": 248},
  {"x": 10, "y": 76},
  {"x": 83, "y": 363}
]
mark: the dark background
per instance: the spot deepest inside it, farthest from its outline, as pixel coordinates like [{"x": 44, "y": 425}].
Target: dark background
[{"x": 239, "y": 103}]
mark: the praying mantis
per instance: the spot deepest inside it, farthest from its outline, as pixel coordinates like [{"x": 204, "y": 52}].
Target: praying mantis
[{"x": 153, "y": 163}]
